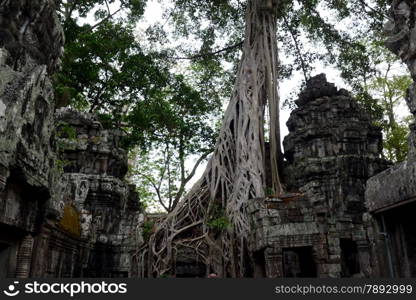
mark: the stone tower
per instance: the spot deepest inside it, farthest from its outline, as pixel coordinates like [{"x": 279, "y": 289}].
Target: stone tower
[{"x": 317, "y": 230}]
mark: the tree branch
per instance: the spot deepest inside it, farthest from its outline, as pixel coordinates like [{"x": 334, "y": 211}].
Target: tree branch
[
  {"x": 108, "y": 7},
  {"x": 364, "y": 4},
  {"x": 302, "y": 62},
  {"x": 105, "y": 19},
  {"x": 211, "y": 53},
  {"x": 159, "y": 196},
  {"x": 198, "y": 162},
  {"x": 189, "y": 177}
]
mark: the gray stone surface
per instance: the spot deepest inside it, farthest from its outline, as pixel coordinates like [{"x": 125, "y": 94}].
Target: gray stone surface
[
  {"x": 65, "y": 209},
  {"x": 93, "y": 150},
  {"x": 27, "y": 159},
  {"x": 393, "y": 186},
  {"x": 105, "y": 209},
  {"x": 31, "y": 33}
]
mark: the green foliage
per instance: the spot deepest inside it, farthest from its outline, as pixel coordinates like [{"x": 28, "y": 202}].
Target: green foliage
[
  {"x": 105, "y": 70},
  {"x": 219, "y": 224},
  {"x": 147, "y": 230},
  {"x": 383, "y": 96},
  {"x": 177, "y": 114},
  {"x": 67, "y": 8},
  {"x": 60, "y": 165},
  {"x": 156, "y": 177},
  {"x": 167, "y": 96},
  {"x": 162, "y": 173},
  {"x": 268, "y": 191},
  {"x": 310, "y": 32},
  {"x": 66, "y": 131},
  {"x": 395, "y": 143},
  {"x": 217, "y": 219},
  {"x": 65, "y": 136}
]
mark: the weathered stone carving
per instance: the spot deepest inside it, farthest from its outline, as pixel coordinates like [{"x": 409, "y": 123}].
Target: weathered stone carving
[
  {"x": 101, "y": 211},
  {"x": 52, "y": 224},
  {"x": 331, "y": 150},
  {"x": 31, "y": 41}
]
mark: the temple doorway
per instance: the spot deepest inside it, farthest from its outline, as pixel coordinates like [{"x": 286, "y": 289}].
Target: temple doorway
[
  {"x": 299, "y": 262},
  {"x": 349, "y": 258}
]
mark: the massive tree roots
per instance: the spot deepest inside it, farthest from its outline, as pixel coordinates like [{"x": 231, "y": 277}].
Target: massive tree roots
[{"x": 235, "y": 172}]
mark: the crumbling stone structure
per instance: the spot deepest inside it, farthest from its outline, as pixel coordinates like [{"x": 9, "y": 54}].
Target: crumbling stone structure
[
  {"x": 65, "y": 210},
  {"x": 31, "y": 43},
  {"x": 95, "y": 234},
  {"x": 391, "y": 195},
  {"x": 318, "y": 230}
]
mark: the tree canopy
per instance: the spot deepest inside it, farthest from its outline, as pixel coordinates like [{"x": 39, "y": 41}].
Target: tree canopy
[{"x": 161, "y": 91}]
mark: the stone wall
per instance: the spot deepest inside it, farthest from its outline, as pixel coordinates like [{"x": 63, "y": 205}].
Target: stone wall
[
  {"x": 94, "y": 234},
  {"x": 31, "y": 41},
  {"x": 65, "y": 209},
  {"x": 331, "y": 150}
]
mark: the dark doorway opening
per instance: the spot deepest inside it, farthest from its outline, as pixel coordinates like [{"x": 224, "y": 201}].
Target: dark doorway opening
[
  {"x": 349, "y": 258},
  {"x": 259, "y": 264},
  {"x": 4, "y": 259},
  {"x": 299, "y": 262},
  {"x": 401, "y": 240}
]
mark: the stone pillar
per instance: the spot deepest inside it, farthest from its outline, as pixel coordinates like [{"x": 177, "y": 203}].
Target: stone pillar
[
  {"x": 320, "y": 255},
  {"x": 333, "y": 267},
  {"x": 364, "y": 260},
  {"x": 40, "y": 254},
  {"x": 24, "y": 257},
  {"x": 273, "y": 258}
]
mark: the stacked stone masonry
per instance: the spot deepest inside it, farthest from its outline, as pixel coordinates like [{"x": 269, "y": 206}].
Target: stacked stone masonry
[
  {"x": 80, "y": 223},
  {"x": 99, "y": 211},
  {"x": 66, "y": 210},
  {"x": 30, "y": 47}
]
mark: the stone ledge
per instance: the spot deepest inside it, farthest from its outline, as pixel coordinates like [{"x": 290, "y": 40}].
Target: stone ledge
[{"x": 391, "y": 187}]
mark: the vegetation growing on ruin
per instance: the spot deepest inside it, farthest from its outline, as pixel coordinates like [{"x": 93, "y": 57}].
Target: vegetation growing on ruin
[{"x": 167, "y": 97}]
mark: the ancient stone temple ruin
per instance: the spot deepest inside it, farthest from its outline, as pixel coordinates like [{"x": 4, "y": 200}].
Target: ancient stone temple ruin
[
  {"x": 91, "y": 232},
  {"x": 99, "y": 212},
  {"x": 65, "y": 210},
  {"x": 318, "y": 230}
]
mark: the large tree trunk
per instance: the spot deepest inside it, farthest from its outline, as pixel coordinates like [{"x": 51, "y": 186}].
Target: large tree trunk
[{"x": 236, "y": 171}]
